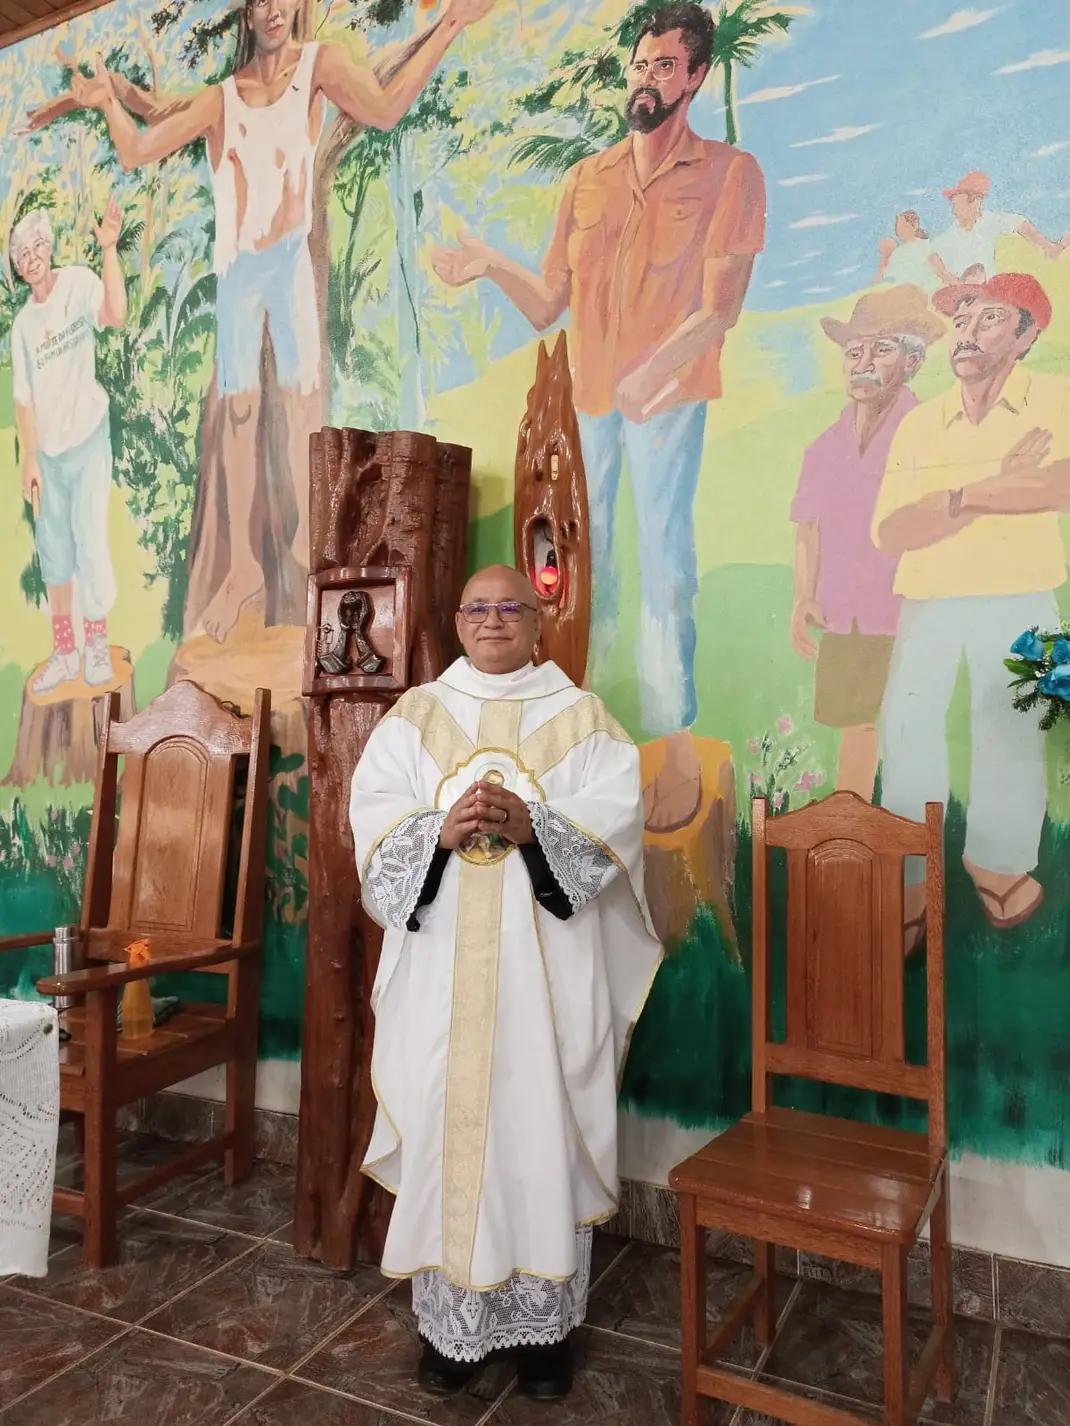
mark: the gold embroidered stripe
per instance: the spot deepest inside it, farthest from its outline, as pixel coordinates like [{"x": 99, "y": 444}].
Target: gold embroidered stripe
[
  {"x": 470, "y": 1063},
  {"x": 544, "y": 748},
  {"x": 444, "y": 739}
]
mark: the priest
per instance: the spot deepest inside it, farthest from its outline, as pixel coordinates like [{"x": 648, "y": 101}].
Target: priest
[{"x": 497, "y": 817}]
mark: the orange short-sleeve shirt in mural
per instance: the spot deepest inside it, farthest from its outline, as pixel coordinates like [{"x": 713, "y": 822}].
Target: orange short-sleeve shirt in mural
[{"x": 640, "y": 257}]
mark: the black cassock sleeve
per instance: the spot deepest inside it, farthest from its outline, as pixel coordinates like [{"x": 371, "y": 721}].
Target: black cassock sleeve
[{"x": 544, "y": 884}]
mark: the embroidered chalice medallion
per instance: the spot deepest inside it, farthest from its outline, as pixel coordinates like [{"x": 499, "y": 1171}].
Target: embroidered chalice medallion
[{"x": 500, "y": 768}]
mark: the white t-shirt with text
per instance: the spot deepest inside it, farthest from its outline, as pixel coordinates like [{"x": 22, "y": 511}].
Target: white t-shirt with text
[{"x": 54, "y": 363}]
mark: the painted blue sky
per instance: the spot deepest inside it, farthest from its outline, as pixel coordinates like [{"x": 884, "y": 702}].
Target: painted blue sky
[{"x": 885, "y": 104}]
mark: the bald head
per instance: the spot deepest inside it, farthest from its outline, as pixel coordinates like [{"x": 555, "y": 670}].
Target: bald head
[{"x": 495, "y": 644}]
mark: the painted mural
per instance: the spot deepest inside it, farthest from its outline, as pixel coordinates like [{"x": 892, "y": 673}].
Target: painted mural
[{"x": 818, "y": 308}]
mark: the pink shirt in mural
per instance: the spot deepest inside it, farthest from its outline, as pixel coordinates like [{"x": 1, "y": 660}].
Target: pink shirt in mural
[{"x": 838, "y": 491}]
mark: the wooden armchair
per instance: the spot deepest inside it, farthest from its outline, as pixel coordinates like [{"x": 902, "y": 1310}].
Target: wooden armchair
[
  {"x": 824, "y": 1185},
  {"x": 157, "y": 869}
]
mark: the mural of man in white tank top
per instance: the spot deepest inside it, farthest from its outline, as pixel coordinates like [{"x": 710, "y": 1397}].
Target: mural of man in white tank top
[{"x": 261, "y": 126}]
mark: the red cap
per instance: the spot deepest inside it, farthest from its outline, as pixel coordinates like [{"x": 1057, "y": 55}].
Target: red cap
[
  {"x": 1012, "y": 289},
  {"x": 974, "y": 182}
]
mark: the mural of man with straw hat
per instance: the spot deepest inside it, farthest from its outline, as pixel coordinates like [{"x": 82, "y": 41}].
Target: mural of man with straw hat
[{"x": 843, "y": 584}]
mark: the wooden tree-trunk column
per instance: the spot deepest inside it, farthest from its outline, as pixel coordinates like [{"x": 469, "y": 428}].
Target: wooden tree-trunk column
[{"x": 390, "y": 500}]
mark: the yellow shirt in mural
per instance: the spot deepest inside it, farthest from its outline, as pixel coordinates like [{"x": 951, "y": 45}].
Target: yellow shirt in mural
[{"x": 938, "y": 448}]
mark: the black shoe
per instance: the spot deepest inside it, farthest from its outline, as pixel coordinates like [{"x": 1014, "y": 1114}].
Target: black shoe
[
  {"x": 442, "y": 1376},
  {"x": 545, "y": 1373}
]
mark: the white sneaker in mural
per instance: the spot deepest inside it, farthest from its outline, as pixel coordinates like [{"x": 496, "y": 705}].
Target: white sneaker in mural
[
  {"x": 97, "y": 662},
  {"x": 59, "y": 668}
]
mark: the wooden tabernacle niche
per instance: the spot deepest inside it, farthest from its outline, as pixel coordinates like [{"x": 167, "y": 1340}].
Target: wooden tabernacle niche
[{"x": 389, "y": 522}]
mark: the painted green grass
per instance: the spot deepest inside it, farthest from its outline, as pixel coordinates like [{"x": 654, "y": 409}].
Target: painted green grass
[{"x": 1007, "y": 1018}]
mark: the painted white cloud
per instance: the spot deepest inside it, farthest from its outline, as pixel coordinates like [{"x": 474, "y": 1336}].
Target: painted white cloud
[
  {"x": 846, "y": 271},
  {"x": 916, "y": 192},
  {"x": 823, "y": 220},
  {"x": 958, "y": 21},
  {"x": 1046, "y": 150},
  {"x": 778, "y": 283},
  {"x": 801, "y": 178},
  {"x": 803, "y": 258},
  {"x": 1039, "y": 59},
  {"x": 843, "y": 133},
  {"x": 816, "y": 291},
  {"x": 787, "y": 91}
]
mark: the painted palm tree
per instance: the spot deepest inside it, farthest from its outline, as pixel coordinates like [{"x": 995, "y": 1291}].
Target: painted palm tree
[{"x": 741, "y": 27}]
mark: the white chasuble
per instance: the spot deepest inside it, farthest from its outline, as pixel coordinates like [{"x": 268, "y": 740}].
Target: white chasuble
[{"x": 501, "y": 1030}]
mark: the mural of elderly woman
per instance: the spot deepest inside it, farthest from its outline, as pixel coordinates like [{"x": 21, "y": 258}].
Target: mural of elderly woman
[{"x": 907, "y": 258}]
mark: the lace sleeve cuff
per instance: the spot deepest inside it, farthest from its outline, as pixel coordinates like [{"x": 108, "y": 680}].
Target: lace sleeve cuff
[
  {"x": 580, "y": 865},
  {"x": 398, "y": 867}
]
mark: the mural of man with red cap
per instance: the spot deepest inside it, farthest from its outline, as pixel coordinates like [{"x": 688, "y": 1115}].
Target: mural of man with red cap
[
  {"x": 969, "y": 505},
  {"x": 970, "y": 242}
]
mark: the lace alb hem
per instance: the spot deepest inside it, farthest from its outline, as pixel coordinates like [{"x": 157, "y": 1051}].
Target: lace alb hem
[
  {"x": 466, "y": 1326},
  {"x": 580, "y": 866},
  {"x": 399, "y": 865}
]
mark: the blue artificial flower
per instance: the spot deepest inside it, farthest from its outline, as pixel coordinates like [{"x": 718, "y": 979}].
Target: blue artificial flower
[
  {"x": 1060, "y": 651},
  {"x": 1027, "y": 646},
  {"x": 1056, "y": 684}
]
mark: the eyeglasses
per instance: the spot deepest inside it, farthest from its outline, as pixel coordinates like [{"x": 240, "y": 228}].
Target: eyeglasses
[
  {"x": 659, "y": 70},
  {"x": 509, "y": 610}
]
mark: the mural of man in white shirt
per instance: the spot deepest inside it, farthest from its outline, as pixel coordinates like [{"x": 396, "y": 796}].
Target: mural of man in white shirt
[
  {"x": 61, "y": 413},
  {"x": 968, "y": 246}
]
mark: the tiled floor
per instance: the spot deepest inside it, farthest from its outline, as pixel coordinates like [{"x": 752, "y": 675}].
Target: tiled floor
[{"x": 210, "y": 1319}]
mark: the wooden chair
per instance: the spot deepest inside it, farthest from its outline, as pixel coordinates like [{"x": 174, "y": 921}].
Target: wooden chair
[
  {"x": 824, "y": 1185},
  {"x": 158, "y": 861}
]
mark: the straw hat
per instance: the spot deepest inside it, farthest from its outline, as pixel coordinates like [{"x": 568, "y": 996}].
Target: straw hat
[{"x": 900, "y": 311}]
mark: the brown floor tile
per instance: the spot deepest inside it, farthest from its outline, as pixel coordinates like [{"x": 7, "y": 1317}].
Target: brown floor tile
[
  {"x": 136, "y": 1155},
  {"x": 618, "y": 1381},
  {"x": 971, "y": 1277},
  {"x": 1034, "y": 1296},
  {"x": 295, "y": 1401},
  {"x": 832, "y": 1341},
  {"x": 270, "y": 1307},
  {"x": 158, "y": 1258},
  {"x": 1032, "y": 1381},
  {"x": 605, "y": 1250},
  {"x": 41, "y": 1338},
  {"x": 258, "y": 1205},
  {"x": 376, "y": 1356},
  {"x": 640, "y": 1297},
  {"x": 142, "y": 1378}
]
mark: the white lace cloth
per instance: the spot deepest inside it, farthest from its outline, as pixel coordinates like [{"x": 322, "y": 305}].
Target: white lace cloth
[
  {"x": 398, "y": 867},
  {"x": 29, "y": 1124},
  {"x": 580, "y": 866},
  {"x": 466, "y": 1325}
]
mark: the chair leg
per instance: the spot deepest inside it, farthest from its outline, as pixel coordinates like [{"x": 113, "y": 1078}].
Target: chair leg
[
  {"x": 692, "y": 1310},
  {"x": 99, "y": 1243},
  {"x": 765, "y": 1312},
  {"x": 940, "y": 1272},
  {"x": 241, "y": 1072},
  {"x": 896, "y": 1364}
]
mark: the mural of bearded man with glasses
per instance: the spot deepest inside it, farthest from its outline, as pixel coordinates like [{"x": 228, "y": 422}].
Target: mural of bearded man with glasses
[{"x": 652, "y": 253}]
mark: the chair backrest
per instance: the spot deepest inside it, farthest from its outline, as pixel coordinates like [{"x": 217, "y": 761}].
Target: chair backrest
[
  {"x": 161, "y": 866},
  {"x": 844, "y": 950}
]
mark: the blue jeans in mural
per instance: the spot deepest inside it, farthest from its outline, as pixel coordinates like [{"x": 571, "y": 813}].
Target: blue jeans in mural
[
  {"x": 275, "y": 285},
  {"x": 1008, "y": 789},
  {"x": 72, "y": 528},
  {"x": 664, "y": 456}
]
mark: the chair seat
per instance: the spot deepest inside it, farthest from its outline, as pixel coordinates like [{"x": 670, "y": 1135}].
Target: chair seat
[
  {"x": 854, "y": 1178},
  {"x": 193, "y": 1022}
]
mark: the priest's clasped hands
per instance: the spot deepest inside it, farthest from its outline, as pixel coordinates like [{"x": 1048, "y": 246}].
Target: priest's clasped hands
[{"x": 486, "y": 807}]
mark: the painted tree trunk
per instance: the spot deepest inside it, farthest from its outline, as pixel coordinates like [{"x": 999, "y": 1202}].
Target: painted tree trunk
[{"x": 731, "y": 125}]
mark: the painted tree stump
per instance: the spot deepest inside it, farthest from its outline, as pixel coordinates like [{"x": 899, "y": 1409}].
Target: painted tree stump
[
  {"x": 58, "y": 731},
  {"x": 251, "y": 656},
  {"x": 689, "y": 809}
]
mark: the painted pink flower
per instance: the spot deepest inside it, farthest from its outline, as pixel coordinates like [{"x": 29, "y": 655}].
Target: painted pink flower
[
  {"x": 755, "y": 780},
  {"x": 76, "y": 847},
  {"x": 806, "y": 781},
  {"x": 50, "y": 860},
  {"x": 754, "y": 745},
  {"x": 778, "y": 801},
  {"x": 819, "y": 779},
  {"x": 68, "y": 863},
  {"x": 785, "y": 725}
]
